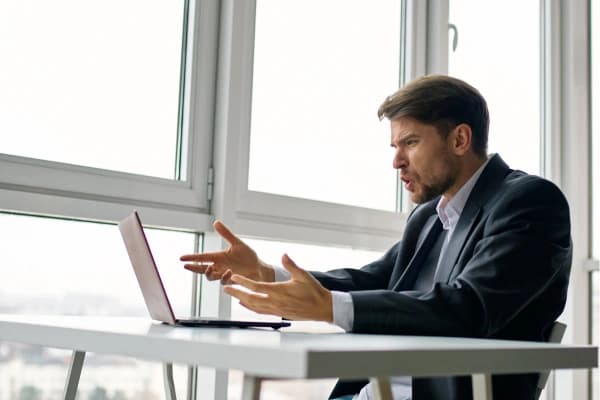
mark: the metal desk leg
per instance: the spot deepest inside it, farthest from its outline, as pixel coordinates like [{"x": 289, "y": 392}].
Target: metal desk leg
[
  {"x": 482, "y": 386},
  {"x": 192, "y": 386},
  {"x": 168, "y": 382},
  {"x": 382, "y": 390},
  {"x": 73, "y": 375},
  {"x": 251, "y": 388}
]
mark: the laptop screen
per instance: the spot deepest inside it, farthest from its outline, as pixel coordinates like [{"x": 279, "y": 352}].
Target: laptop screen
[
  {"x": 153, "y": 289},
  {"x": 145, "y": 269}
]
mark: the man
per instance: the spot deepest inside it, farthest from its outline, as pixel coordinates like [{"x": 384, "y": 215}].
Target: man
[{"x": 486, "y": 253}]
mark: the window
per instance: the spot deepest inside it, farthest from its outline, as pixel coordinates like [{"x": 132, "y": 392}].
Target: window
[
  {"x": 77, "y": 268},
  {"x": 313, "y": 194},
  {"x": 96, "y": 87},
  {"x": 321, "y": 70},
  {"x": 105, "y": 107},
  {"x": 98, "y": 109},
  {"x": 498, "y": 52}
]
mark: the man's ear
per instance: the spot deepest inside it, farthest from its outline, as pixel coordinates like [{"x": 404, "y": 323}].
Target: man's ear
[{"x": 460, "y": 139}]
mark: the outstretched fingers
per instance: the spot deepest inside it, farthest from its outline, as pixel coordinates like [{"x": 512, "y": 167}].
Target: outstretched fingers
[
  {"x": 198, "y": 268},
  {"x": 212, "y": 272},
  {"x": 260, "y": 287},
  {"x": 225, "y": 233},
  {"x": 205, "y": 263},
  {"x": 257, "y": 302},
  {"x": 210, "y": 257}
]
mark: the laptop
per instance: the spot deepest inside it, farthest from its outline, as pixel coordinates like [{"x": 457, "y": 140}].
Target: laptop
[{"x": 153, "y": 289}]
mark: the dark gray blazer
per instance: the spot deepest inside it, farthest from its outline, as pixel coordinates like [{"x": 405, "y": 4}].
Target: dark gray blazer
[{"x": 504, "y": 275}]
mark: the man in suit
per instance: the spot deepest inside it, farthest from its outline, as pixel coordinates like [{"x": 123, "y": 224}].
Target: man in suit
[{"x": 486, "y": 253}]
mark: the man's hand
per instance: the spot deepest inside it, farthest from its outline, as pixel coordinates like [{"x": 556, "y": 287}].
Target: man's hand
[
  {"x": 300, "y": 298},
  {"x": 238, "y": 258}
]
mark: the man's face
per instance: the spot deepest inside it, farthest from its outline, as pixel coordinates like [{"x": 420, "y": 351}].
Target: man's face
[{"x": 423, "y": 157}]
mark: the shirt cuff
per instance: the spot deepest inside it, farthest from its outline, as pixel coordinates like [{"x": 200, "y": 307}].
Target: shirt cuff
[
  {"x": 281, "y": 274},
  {"x": 343, "y": 310}
]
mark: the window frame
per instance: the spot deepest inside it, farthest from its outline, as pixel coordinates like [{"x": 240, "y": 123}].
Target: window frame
[
  {"x": 593, "y": 262},
  {"x": 267, "y": 215},
  {"x": 564, "y": 129},
  {"x": 567, "y": 133},
  {"x": 41, "y": 187}
]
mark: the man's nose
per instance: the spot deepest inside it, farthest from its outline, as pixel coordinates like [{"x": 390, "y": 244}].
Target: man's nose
[{"x": 399, "y": 160}]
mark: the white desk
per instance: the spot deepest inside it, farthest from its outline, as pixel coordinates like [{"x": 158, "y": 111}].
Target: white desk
[{"x": 288, "y": 355}]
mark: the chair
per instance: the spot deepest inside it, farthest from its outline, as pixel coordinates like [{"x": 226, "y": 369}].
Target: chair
[{"x": 556, "y": 334}]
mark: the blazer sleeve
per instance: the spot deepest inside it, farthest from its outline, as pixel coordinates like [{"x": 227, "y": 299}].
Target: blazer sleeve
[
  {"x": 375, "y": 275},
  {"x": 514, "y": 267},
  {"x": 378, "y": 274}
]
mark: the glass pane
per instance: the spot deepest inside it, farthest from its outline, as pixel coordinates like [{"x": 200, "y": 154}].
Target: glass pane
[
  {"x": 499, "y": 53},
  {"x": 93, "y": 83},
  {"x": 310, "y": 257},
  {"x": 76, "y": 268},
  {"x": 595, "y": 75},
  {"x": 321, "y": 70}
]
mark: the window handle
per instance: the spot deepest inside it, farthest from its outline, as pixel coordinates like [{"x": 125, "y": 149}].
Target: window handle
[{"x": 454, "y": 29}]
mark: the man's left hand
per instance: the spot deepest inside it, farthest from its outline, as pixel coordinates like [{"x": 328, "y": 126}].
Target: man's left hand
[{"x": 300, "y": 298}]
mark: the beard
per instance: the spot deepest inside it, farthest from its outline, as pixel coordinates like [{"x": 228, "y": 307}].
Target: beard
[
  {"x": 440, "y": 184},
  {"x": 433, "y": 190}
]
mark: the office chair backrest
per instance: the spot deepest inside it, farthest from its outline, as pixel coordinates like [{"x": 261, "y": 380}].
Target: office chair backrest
[{"x": 556, "y": 334}]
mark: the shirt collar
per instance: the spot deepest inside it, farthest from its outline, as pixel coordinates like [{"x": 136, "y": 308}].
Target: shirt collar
[{"x": 449, "y": 211}]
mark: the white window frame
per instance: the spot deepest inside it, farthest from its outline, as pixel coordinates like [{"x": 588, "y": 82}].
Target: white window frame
[
  {"x": 267, "y": 215},
  {"x": 565, "y": 131},
  {"x": 570, "y": 166},
  {"x": 42, "y": 187}
]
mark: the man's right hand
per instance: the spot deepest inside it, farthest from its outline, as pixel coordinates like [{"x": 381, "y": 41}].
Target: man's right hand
[{"x": 238, "y": 258}]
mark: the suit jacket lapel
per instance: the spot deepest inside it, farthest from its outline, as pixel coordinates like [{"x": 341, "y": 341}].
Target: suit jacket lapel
[
  {"x": 485, "y": 187},
  {"x": 432, "y": 227}
]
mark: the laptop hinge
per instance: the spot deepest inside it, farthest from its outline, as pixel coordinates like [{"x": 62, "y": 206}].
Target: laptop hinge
[{"x": 211, "y": 182}]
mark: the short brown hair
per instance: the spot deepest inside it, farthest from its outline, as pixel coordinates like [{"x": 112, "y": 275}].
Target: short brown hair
[{"x": 444, "y": 102}]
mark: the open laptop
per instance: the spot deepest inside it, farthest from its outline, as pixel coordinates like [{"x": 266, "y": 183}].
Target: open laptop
[{"x": 153, "y": 289}]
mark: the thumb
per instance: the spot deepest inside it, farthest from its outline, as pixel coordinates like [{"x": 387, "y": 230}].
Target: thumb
[{"x": 291, "y": 267}]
